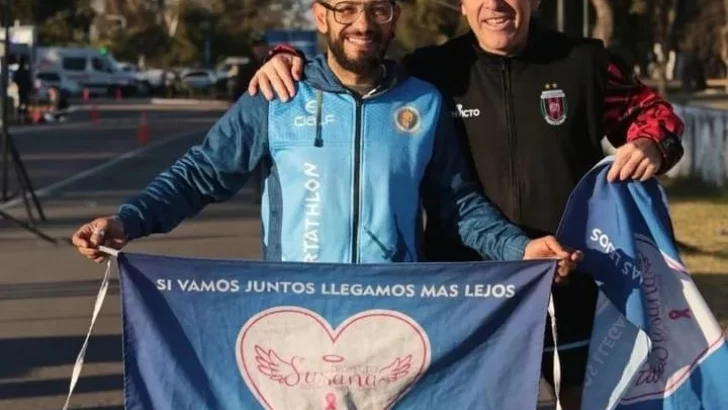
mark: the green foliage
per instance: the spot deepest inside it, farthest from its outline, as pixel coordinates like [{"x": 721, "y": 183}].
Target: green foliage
[
  {"x": 151, "y": 30},
  {"x": 700, "y": 32},
  {"x": 639, "y": 7},
  {"x": 58, "y": 21},
  {"x": 228, "y": 25},
  {"x": 425, "y": 22},
  {"x": 238, "y": 19}
]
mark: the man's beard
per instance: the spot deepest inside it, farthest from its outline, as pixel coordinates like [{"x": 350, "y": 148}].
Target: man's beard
[{"x": 365, "y": 64}]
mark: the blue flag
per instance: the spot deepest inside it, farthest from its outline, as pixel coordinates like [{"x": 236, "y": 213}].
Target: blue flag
[
  {"x": 208, "y": 334},
  {"x": 655, "y": 343}
]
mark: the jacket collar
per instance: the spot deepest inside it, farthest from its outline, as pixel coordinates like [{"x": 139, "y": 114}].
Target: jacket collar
[{"x": 318, "y": 73}]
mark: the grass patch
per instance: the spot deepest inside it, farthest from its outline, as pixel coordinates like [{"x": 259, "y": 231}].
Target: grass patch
[
  {"x": 700, "y": 216},
  {"x": 694, "y": 189}
]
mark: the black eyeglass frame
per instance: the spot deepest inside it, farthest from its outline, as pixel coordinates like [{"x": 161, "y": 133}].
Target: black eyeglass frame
[{"x": 363, "y": 7}]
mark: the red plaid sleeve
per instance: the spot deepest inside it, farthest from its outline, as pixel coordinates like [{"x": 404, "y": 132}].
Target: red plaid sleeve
[{"x": 632, "y": 110}]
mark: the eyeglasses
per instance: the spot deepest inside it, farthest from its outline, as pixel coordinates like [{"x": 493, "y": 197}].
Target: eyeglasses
[{"x": 347, "y": 12}]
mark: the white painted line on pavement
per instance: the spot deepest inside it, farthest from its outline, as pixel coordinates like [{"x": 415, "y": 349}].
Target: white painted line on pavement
[
  {"x": 189, "y": 101},
  {"x": 45, "y": 191},
  {"x": 75, "y": 125}
]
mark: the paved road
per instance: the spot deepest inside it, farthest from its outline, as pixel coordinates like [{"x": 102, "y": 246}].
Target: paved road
[
  {"x": 47, "y": 292},
  {"x": 51, "y": 153}
]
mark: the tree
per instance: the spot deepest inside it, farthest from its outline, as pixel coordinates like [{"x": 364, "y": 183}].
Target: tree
[
  {"x": 723, "y": 36},
  {"x": 700, "y": 20},
  {"x": 604, "y": 24},
  {"x": 59, "y": 22},
  {"x": 22, "y": 10},
  {"x": 238, "y": 20},
  {"x": 663, "y": 14},
  {"x": 69, "y": 26},
  {"x": 133, "y": 28},
  {"x": 425, "y": 22}
]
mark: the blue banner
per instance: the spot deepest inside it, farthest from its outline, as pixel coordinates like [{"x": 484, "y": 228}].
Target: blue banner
[
  {"x": 212, "y": 334},
  {"x": 655, "y": 344}
]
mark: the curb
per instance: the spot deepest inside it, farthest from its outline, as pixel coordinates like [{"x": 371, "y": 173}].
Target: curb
[{"x": 187, "y": 101}]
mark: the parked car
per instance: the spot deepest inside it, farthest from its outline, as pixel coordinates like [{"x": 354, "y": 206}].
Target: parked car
[
  {"x": 147, "y": 81},
  {"x": 199, "y": 80},
  {"x": 88, "y": 66},
  {"x": 67, "y": 86}
]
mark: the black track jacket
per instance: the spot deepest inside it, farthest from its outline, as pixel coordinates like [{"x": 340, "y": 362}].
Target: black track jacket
[{"x": 533, "y": 124}]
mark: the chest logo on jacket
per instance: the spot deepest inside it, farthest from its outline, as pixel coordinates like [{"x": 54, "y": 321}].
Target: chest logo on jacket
[
  {"x": 309, "y": 119},
  {"x": 461, "y": 112},
  {"x": 553, "y": 104},
  {"x": 407, "y": 119}
]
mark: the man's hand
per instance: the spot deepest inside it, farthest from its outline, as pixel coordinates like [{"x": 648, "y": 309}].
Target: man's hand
[
  {"x": 638, "y": 159},
  {"x": 107, "y": 231},
  {"x": 278, "y": 75},
  {"x": 548, "y": 247}
]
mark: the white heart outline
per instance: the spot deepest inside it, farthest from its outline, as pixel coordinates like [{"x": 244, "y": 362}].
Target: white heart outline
[{"x": 333, "y": 335}]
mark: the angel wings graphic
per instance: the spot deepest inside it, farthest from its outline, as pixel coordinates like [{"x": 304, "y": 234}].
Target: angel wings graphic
[
  {"x": 398, "y": 369},
  {"x": 279, "y": 370},
  {"x": 289, "y": 372}
]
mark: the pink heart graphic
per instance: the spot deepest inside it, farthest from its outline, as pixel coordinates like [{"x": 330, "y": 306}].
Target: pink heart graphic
[{"x": 291, "y": 357}]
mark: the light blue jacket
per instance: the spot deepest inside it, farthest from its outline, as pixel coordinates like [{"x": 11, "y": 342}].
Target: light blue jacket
[{"x": 346, "y": 177}]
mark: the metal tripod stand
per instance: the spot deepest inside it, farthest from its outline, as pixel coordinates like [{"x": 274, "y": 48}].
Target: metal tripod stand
[
  {"x": 10, "y": 152},
  {"x": 26, "y": 191}
]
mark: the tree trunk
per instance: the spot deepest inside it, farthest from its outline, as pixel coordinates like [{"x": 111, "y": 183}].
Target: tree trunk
[
  {"x": 663, "y": 14},
  {"x": 662, "y": 77},
  {"x": 604, "y": 24},
  {"x": 724, "y": 38}
]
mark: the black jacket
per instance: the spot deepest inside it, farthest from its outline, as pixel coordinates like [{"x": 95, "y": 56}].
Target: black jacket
[{"x": 533, "y": 124}]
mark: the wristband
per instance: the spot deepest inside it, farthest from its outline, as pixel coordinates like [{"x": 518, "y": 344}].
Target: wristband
[
  {"x": 284, "y": 48},
  {"x": 672, "y": 151}
]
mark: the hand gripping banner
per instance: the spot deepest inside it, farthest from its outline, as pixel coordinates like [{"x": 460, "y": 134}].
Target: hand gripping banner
[{"x": 655, "y": 345}]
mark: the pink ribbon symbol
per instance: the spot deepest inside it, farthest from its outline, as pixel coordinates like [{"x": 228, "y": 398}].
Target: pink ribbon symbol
[
  {"x": 330, "y": 401},
  {"x": 678, "y": 314}
]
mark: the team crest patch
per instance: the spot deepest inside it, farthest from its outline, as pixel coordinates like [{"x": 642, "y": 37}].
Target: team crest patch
[
  {"x": 407, "y": 119},
  {"x": 553, "y": 104}
]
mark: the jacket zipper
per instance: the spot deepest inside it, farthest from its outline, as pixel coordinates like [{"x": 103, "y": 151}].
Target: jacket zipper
[
  {"x": 508, "y": 98},
  {"x": 357, "y": 183},
  {"x": 359, "y": 101}
]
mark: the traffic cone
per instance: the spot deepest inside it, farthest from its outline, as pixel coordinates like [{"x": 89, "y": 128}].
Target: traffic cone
[
  {"x": 86, "y": 95},
  {"x": 143, "y": 129},
  {"x": 35, "y": 115},
  {"x": 94, "y": 113}
]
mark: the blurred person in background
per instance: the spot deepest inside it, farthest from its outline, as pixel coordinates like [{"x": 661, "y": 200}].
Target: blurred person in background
[
  {"x": 59, "y": 105},
  {"x": 24, "y": 82}
]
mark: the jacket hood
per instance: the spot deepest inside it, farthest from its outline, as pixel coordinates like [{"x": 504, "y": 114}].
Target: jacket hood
[{"x": 318, "y": 73}]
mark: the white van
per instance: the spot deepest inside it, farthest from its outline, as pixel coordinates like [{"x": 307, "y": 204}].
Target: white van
[{"x": 86, "y": 65}]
